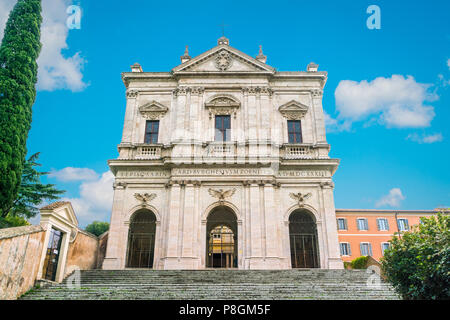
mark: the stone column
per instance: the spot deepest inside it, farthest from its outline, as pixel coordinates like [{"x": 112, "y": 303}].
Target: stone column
[
  {"x": 273, "y": 239},
  {"x": 318, "y": 117},
  {"x": 188, "y": 226},
  {"x": 255, "y": 226},
  {"x": 329, "y": 223},
  {"x": 171, "y": 260},
  {"x": 129, "y": 116},
  {"x": 114, "y": 258}
]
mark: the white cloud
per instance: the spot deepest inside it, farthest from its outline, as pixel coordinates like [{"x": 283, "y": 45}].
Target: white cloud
[
  {"x": 74, "y": 174},
  {"x": 55, "y": 70},
  {"x": 392, "y": 199},
  {"x": 95, "y": 200},
  {"x": 448, "y": 64},
  {"x": 432, "y": 138},
  {"x": 333, "y": 125},
  {"x": 394, "y": 102}
]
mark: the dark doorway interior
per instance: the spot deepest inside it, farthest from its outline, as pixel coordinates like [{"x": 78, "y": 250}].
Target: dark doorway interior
[
  {"x": 141, "y": 240},
  {"x": 303, "y": 240}
]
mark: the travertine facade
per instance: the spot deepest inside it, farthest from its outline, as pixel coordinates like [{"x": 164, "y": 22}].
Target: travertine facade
[{"x": 256, "y": 174}]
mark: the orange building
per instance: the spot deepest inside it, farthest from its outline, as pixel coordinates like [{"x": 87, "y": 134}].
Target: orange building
[{"x": 367, "y": 232}]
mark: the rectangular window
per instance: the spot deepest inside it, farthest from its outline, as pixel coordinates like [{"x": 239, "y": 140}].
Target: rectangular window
[
  {"x": 345, "y": 249},
  {"x": 151, "y": 131},
  {"x": 342, "y": 223},
  {"x": 362, "y": 224},
  {"x": 222, "y": 128},
  {"x": 294, "y": 131},
  {"x": 382, "y": 224},
  {"x": 384, "y": 246},
  {"x": 403, "y": 224},
  {"x": 366, "y": 249}
]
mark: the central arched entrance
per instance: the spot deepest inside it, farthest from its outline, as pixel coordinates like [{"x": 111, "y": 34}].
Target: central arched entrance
[
  {"x": 221, "y": 239},
  {"x": 303, "y": 240},
  {"x": 141, "y": 239}
]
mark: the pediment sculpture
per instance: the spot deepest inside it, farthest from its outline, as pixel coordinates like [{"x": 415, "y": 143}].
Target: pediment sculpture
[
  {"x": 222, "y": 105},
  {"x": 153, "y": 110},
  {"x": 293, "y": 110}
]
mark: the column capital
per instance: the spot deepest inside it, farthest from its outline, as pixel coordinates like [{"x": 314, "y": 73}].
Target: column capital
[
  {"x": 327, "y": 185},
  {"x": 119, "y": 185}
]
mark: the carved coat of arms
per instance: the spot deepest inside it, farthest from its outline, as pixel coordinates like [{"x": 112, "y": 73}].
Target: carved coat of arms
[
  {"x": 145, "y": 197},
  {"x": 221, "y": 194},
  {"x": 300, "y": 197},
  {"x": 223, "y": 60}
]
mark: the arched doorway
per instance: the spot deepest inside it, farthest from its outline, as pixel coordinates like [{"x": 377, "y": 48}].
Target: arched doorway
[
  {"x": 303, "y": 240},
  {"x": 141, "y": 239},
  {"x": 221, "y": 239}
]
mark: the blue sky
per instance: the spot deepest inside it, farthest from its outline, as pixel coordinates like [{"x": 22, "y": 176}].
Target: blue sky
[{"x": 387, "y": 159}]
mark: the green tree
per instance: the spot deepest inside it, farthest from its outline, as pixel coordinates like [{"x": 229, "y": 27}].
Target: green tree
[
  {"x": 418, "y": 262},
  {"x": 97, "y": 228},
  {"x": 32, "y": 193},
  {"x": 18, "y": 75},
  {"x": 13, "y": 221}
]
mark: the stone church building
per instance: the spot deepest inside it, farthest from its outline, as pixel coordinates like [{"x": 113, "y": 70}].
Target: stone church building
[{"x": 223, "y": 163}]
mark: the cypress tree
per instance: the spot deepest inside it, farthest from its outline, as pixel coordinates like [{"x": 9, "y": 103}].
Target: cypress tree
[{"x": 18, "y": 76}]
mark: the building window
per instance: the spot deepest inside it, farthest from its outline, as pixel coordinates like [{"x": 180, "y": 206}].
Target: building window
[
  {"x": 151, "y": 131},
  {"x": 294, "y": 131},
  {"x": 366, "y": 249},
  {"x": 223, "y": 126},
  {"x": 345, "y": 249},
  {"x": 362, "y": 224},
  {"x": 382, "y": 224},
  {"x": 342, "y": 223},
  {"x": 402, "y": 224},
  {"x": 384, "y": 246}
]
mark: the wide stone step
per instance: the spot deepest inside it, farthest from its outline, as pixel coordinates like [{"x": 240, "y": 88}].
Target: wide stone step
[{"x": 218, "y": 285}]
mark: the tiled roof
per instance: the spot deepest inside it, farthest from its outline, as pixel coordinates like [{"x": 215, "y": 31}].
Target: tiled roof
[{"x": 55, "y": 205}]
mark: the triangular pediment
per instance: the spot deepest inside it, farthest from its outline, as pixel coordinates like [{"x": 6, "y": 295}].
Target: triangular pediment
[
  {"x": 61, "y": 210},
  {"x": 223, "y": 59},
  {"x": 153, "y": 110},
  {"x": 153, "y": 106},
  {"x": 293, "y": 110}
]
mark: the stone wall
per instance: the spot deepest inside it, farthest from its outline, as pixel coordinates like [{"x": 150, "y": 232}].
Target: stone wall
[
  {"x": 102, "y": 243},
  {"x": 82, "y": 253},
  {"x": 20, "y": 251}
]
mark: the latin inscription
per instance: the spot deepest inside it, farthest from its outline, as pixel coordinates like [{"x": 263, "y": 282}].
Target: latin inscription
[{"x": 222, "y": 172}]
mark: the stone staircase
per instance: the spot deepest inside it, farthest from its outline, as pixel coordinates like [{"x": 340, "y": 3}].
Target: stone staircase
[{"x": 217, "y": 285}]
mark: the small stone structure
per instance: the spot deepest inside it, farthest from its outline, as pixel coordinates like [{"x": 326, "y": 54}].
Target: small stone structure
[{"x": 23, "y": 250}]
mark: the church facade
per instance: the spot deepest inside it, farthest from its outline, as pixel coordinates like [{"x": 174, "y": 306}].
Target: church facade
[{"x": 223, "y": 163}]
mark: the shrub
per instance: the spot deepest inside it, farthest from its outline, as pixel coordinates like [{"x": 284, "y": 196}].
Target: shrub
[
  {"x": 359, "y": 263},
  {"x": 417, "y": 263},
  {"x": 97, "y": 228}
]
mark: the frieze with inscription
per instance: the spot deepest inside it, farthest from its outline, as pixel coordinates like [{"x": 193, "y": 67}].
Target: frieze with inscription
[{"x": 222, "y": 172}]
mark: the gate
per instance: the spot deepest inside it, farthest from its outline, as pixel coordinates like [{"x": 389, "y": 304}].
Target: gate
[
  {"x": 303, "y": 240},
  {"x": 141, "y": 239},
  {"x": 52, "y": 255}
]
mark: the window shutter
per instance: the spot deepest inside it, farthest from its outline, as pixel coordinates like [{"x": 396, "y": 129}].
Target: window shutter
[
  {"x": 370, "y": 249},
  {"x": 349, "y": 249},
  {"x": 406, "y": 224},
  {"x": 387, "y": 224},
  {"x": 366, "y": 224},
  {"x": 379, "y": 224},
  {"x": 361, "y": 248},
  {"x": 345, "y": 224}
]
